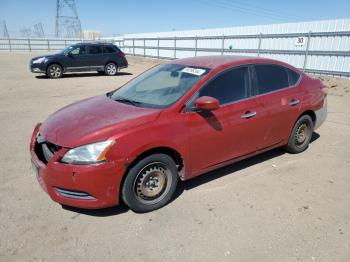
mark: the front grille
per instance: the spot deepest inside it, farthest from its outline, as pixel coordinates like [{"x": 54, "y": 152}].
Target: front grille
[
  {"x": 74, "y": 194},
  {"x": 45, "y": 150}
]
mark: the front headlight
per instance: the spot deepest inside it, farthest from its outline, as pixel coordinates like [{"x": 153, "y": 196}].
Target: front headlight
[
  {"x": 88, "y": 154},
  {"x": 40, "y": 60}
]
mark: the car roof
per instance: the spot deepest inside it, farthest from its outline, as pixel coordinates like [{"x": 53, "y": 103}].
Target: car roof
[
  {"x": 216, "y": 61},
  {"x": 93, "y": 43}
]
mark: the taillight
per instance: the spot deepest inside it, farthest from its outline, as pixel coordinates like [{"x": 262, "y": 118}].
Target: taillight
[{"x": 121, "y": 54}]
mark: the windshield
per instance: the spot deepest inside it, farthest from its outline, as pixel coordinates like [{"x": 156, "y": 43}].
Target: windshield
[
  {"x": 66, "y": 50},
  {"x": 159, "y": 87}
]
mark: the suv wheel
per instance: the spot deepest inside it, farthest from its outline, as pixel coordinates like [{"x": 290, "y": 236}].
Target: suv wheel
[
  {"x": 111, "y": 69},
  {"x": 151, "y": 183},
  {"x": 54, "y": 71},
  {"x": 301, "y": 135}
]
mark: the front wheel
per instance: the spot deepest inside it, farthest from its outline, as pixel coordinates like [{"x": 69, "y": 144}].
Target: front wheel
[
  {"x": 301, "y": 135},
  {"x": 54, "y": 71},
  {"x": 111, "y": 69},
  {"x": 151, "y": 183}
]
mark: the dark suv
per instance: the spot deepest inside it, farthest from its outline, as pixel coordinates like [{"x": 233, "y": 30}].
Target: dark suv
[{"x": 82, "y": 57}]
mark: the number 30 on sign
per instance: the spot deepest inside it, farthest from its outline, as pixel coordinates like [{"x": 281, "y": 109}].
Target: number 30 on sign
[{"x": 300, "y": 41}]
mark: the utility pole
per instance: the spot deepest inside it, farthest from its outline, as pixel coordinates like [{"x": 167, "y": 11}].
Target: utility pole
[
  {"x": 5, "y": 32},
  {"x": 56, "y": 24},
  {"x": 25, "y": 32},
  {"x": 39, "y": 30},
  {"x": 67, "y": 19}
]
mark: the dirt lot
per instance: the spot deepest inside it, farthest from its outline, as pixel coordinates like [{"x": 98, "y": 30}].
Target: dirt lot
[{"x": 273, "y": 207}]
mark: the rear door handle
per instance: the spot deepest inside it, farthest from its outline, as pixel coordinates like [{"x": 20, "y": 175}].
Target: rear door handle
[
  {"x": 294, "y": 102},
  {"x": 248, "y": 114}
]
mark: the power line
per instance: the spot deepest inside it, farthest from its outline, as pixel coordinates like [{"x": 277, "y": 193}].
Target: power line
[
  {"x": 226, "y": 7},
  {"x": 256, "y": 8},
  {"x": 250, "y": 11}
]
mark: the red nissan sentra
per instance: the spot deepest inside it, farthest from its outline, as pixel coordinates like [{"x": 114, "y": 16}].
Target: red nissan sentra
[{"x": 175, "y": 121}]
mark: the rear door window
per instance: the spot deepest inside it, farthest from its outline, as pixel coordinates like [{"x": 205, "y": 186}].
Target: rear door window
[
  {"x": 230, "y": 86},
  {"x": 109, "y": 49},
  {"x": 271, "y": 78},
  {"x": 293, "y": 77},
  {"x": 94, "y": 49}
]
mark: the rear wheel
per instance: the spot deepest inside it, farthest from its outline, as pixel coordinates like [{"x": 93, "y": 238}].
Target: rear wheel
[
  {"x": 301, "y": 135},
  {"x": 111, "y": 69},
  {"x": 54, "y": 71},
  {"x": 151, "y": 183}
]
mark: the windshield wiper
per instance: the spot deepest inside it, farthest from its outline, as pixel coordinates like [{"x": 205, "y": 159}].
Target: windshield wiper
[{"x": 127, "y": 101}]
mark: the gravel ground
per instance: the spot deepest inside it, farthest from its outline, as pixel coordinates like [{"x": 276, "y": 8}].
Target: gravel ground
[{"x": 273, "y": 207}]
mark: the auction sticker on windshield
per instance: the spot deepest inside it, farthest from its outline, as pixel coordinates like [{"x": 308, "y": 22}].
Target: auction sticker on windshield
[{"x": 193, "y": 71}]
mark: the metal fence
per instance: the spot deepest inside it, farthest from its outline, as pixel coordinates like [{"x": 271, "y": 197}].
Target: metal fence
[
  {"x": 302, "y": 50},
  {"x": 37, "y": 44},
  {"x": 313, "y": 52}
]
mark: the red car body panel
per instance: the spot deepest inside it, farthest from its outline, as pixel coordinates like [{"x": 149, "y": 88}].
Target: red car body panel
[
  {"x": 100, "y": 180},
  {"x": 203, "y": 140},
  {"x": 87, "y": 121}
]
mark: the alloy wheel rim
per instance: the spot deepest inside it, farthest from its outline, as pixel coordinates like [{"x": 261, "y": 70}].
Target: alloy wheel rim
[
  {"x": 55, "y": 71},
  {"x": 152, "y": 183},
  {"x": 111, "y": 69}
]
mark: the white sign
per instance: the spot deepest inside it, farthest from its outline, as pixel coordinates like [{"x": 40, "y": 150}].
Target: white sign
[
  {"x": 193, "y": 71},
  {"x": 300, "y": 41}
]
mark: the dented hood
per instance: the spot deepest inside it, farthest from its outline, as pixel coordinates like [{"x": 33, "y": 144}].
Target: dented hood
[{"x": 92, "y": 120}]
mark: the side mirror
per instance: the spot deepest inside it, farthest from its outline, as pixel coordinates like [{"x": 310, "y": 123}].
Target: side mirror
[
  {"x": 206, "y": 103},
  {"x": 69, "y": 54}
]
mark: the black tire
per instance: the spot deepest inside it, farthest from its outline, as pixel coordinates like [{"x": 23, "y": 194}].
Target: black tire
[
  {"x": 301, "y": 135},
  {"x": 111, "y": 69},
  {"x": 150, "y": 184},
  {"x": 54, "y": 71}
]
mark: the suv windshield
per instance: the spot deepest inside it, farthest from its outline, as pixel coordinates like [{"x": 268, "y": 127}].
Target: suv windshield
[{"x": 159, "y": 87}]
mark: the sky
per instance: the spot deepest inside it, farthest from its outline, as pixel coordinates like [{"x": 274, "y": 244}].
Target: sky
[{"x": 137, "y": 16}]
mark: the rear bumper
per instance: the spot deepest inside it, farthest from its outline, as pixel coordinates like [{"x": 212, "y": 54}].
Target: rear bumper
[
  {"x": 123, "y": 64},
  {"x": 88, "y": 186},
  {"x": 321, "y": 114}
]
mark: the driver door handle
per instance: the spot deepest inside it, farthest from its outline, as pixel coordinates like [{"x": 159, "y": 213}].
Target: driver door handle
[
  {"x": 294, "y": 102},
  {"x": 248, "y": 114}
]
